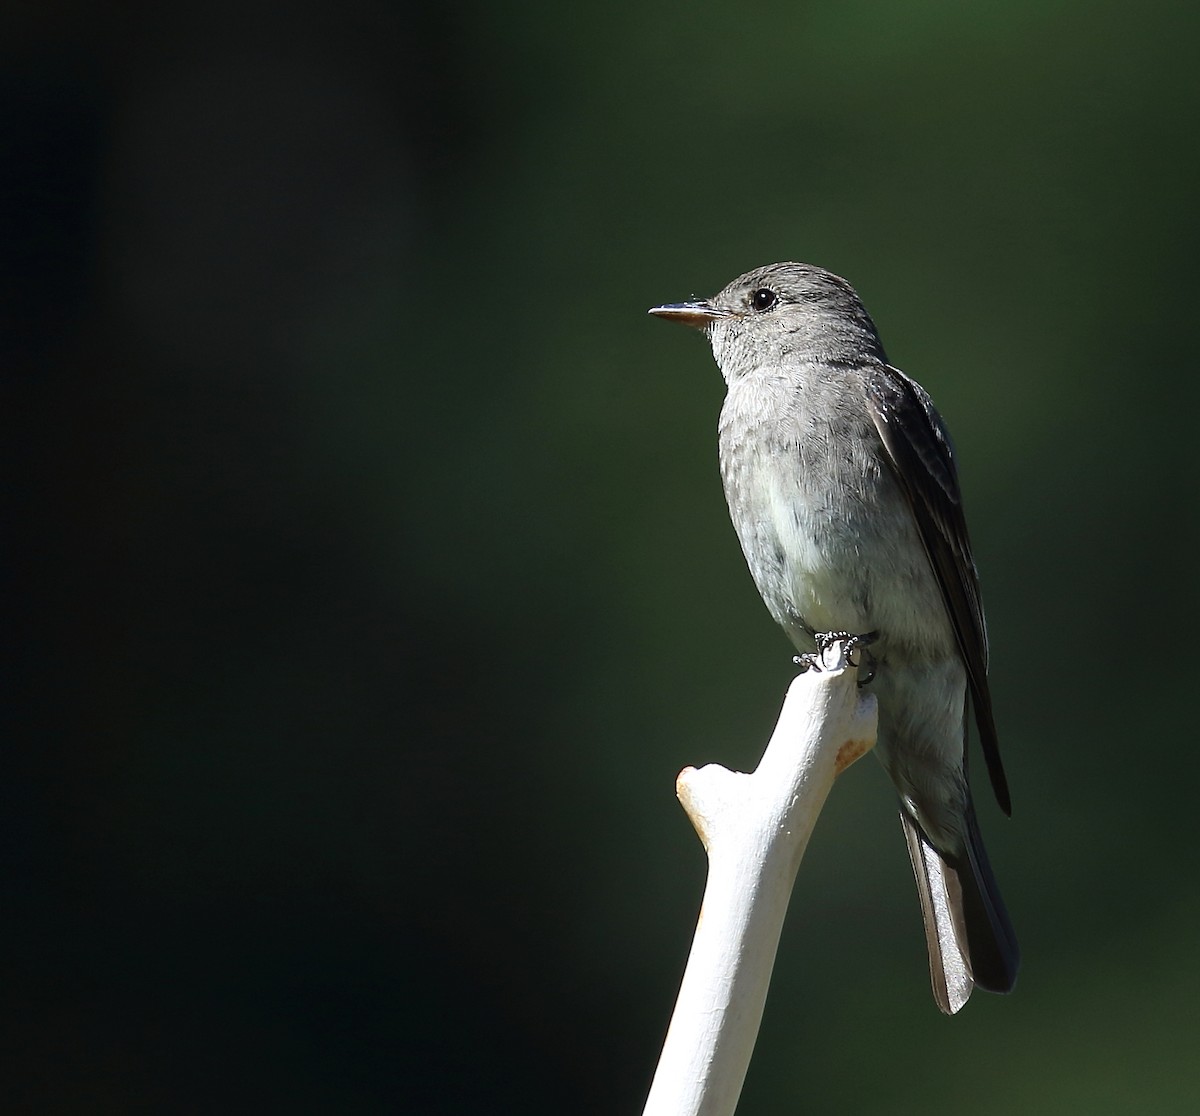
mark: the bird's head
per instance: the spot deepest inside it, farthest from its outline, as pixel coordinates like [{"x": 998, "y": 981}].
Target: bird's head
[{"x": 779, "y": 313}]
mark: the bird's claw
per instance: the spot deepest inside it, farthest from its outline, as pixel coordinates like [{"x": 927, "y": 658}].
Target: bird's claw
[
  {"x": 810, "y": 660},
  {"x": 854, "y": 645}
]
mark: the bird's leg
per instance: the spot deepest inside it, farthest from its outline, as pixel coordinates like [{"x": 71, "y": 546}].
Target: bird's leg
[{"x": 855, "y": 644}]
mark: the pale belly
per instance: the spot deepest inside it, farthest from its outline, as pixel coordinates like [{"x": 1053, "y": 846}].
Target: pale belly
[{"x": 833, "y": 552}]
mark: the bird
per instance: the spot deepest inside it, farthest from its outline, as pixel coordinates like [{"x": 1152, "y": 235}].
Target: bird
[{"x": 843, "y": 490}]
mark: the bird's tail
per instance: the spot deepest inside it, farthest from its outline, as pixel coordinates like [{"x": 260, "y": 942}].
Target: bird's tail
[{"x": 971, "y": 941}]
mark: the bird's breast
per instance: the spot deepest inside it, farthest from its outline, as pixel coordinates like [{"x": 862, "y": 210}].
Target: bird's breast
[{"x": 829, "y": 538}]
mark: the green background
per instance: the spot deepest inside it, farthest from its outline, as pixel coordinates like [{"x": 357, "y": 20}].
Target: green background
[{"x": 374, "y": 579}]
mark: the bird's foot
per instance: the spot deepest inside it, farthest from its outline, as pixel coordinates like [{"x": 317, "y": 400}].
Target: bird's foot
[{"x": 856, "y": 652}]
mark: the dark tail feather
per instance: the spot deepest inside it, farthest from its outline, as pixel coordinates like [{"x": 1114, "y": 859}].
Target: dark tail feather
[
  {"x": 970, "y": 939},
  {"x": 995, "y": 956}
]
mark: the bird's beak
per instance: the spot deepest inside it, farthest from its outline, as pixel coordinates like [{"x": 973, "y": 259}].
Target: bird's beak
[{"x": 695, "y": 314}]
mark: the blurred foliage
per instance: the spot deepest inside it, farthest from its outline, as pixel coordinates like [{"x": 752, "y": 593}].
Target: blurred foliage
[{"x": 374, "y": 580}]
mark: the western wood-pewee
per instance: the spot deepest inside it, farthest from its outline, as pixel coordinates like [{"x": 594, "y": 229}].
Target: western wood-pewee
[{"x": 842, "y": 487}]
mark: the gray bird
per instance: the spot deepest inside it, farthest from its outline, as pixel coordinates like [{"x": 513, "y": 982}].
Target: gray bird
[{"x": 842, "y": 487}]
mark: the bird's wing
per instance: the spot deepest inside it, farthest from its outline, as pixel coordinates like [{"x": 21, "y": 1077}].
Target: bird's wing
[{"x": 922, "y": 458}]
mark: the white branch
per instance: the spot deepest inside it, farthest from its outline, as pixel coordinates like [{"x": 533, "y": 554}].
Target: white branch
[{"x": 755, "y": 829}]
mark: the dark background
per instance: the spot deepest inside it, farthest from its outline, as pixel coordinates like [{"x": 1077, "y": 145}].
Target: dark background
[{"x": 373, "y": 579}]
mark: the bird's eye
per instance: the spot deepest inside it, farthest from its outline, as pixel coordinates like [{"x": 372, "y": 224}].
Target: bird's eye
[{"x": 763, "y": 299}]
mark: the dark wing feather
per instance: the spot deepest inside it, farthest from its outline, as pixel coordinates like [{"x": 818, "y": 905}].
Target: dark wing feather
[{"x": 922, "y": 457}]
